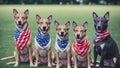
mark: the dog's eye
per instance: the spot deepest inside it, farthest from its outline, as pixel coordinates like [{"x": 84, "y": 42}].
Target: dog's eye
[
  {"x": 58, "y": 29},
  {"x": 41, "y": 22},
  {"x": 16, "y": 17},
  {"x": 76, "y": 30}
]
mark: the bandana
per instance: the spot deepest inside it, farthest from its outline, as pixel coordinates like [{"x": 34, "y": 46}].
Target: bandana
[
  {"x": 101, "y": 35},
  {"x": 62, "y": 43},
  {"x": 81, "y": 48},
  {"x": 22, "y": 37},
  {"x": 42, "y": 40}
]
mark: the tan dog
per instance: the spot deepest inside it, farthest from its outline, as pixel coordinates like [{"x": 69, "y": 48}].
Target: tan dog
[
  {"x": 43, "y": 41},
  {"x": 23, "y": 49},
  {"x": 81, "y": 46},
  {"x": 62, "y": 45}
]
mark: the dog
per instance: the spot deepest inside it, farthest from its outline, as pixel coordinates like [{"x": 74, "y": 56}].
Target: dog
[
  {"x": 22, "y": 38},
  {"x": 81, "y": 46},
  {"x": 62, "y": 44},
  {"x": 43, "y": 41},
  {"x": 104, "y": 45}
]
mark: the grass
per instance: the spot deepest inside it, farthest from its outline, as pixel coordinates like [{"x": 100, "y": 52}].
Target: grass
[{"x": 62, "y": 14}]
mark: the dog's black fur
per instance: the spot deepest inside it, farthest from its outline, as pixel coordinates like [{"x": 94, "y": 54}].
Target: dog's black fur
[{"x": 110, "y": 49}]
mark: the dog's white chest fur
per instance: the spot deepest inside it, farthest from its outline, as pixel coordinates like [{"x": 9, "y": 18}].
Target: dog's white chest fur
[
  {"x": 42, "y": 51},
  {"x": 62, "y": 53}
]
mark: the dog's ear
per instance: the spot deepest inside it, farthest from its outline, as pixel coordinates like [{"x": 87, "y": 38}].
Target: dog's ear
[
  {"x": 26, "y": 12},
  {"x": 15, "y": 12},
  {"x": 67, "y": 24},
  {"x": 56, "y": 24},
  {"x": 106, "y": 16},
  {"x": 94, "y": 15},
  {"x": 50, "y": 18},
  {"x": 74, "y": 25},
  {"x": 38, "y": 18},
  {"x": 85, "y": 25}
]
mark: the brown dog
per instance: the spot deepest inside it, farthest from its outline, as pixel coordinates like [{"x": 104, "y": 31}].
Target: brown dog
[
  {"x": 81, "y": 46},
  {"x": 62, "y": 45},
  {"x": 23, "y": 49},
  {"x": 43, "y": 41}
]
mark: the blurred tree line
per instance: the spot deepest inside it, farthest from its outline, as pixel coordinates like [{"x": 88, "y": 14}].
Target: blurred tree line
[{"x": 60, "y": 2}]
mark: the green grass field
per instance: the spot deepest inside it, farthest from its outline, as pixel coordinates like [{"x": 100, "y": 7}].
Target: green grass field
[{"x": 62, "y": 14}]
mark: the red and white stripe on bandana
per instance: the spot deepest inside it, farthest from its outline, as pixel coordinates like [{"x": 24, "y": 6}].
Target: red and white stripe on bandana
[
  {"x": 81, "y": 48},
  {"x": 101, "y": 35},
  {"x": 23, "y": 38}
]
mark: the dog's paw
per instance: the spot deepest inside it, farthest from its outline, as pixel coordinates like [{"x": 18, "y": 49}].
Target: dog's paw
[
  {"x": 49, "y": 65},
  {"x": 53, "y": 64},
  {"x": 68, "y": 66},
  {"x": 31, "y": 65},
  {"x": 57, "y": 66},
  {"x": 16, "y": 65}
]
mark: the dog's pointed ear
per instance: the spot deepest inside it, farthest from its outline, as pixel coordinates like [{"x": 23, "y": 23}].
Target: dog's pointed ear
[
  {"x": 15, "y": 12},
  {"x": 50, "y": 18},
  {"x": 26, "y": 12},
  {"x": 74, "y": 24},
  {"x": 67, "y": 24},
  {"x": 106, "y": 16},
  {"x": 56, "y": 24},
  {"x": 38, "y": 18},
  {"x": 85, "y": 25},
  {"x": 94, "y": 15}
]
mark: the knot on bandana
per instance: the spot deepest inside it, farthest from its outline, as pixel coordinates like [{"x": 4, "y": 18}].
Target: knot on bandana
[
  {"x": 81, "y": 48},
  {"x": 62, "y": 43},
  {"x": 22, "y": 37},
  {"x": 42, "y": 40},
  {"x": 101, "y": 35}
]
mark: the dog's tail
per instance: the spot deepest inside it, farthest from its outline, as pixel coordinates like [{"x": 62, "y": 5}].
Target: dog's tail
[
  {"x": 13, "y": 62},
  {"x": 9, "y": 57}
]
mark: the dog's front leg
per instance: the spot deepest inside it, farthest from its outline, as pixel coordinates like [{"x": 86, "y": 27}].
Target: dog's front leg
[
  {"x": 16, "y": 57},
  {"x": 95, "y": 57},
  {"x": 75, "y": 61},
  {"x": 30, "y": 55},
  {"x": 57, "y": 59},
  {"x": 68, "y": 60},
  {"x": 102, "y": 59},
  {"x": 89, "y": 61},
  {"x": 37, "y": 57},
  {"x": 49, "y": 58}
]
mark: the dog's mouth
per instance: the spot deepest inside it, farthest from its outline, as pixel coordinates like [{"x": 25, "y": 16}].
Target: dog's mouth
[
  {"x": 78, "y": 38},
  {"x": 62, "y": 36},
  {"x": 44, "y": 31}
]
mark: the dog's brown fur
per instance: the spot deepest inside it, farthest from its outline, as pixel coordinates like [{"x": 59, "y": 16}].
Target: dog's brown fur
[
  {"x": 81, "y": 31},
  {"x": 59, "y": 29},
  {"x": 44, "y": 23},
  {"x": 23, "y": 18}
]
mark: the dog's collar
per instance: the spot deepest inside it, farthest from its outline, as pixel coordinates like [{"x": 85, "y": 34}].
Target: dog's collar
[
  {"x": 42, "y": 40},
  {"x": 22, "y": 37},
  {"x": 101, "y": 35},
  {"x": 81, "y": 48},
  {"x": 63, "y": 43}
]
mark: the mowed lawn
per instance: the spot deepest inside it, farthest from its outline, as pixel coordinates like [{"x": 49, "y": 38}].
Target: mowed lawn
[{"x": 62, "y": 14}]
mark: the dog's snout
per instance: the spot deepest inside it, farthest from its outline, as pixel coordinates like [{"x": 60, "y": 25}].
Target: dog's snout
[
  {"x": 78, "y": 36},
  {"x": 44, "y": 28},
  {"x": 99, "y": 27},
  {"x": 19, "y": 22},
  {"x": 62, "y": 33}
]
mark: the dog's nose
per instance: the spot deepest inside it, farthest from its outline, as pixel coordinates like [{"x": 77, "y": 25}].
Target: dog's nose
[
  {"x": 99, "y": 27},
  {"x": 62, "y": 33},
  {"x": 19, "y": 22},
  {"x": 44, "y": 28},
  {"x": 78, "y": 36}
]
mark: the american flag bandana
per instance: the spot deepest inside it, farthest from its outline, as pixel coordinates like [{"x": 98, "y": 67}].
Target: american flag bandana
[
  {"x": 81, "y": 48},
  {"x": 22, "y": 37},
  {"x": 101, "y": 35}
]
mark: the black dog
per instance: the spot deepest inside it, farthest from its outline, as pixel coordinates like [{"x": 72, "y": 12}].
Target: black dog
[{"x": 104, "y": 45}]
